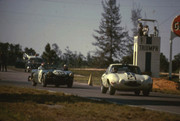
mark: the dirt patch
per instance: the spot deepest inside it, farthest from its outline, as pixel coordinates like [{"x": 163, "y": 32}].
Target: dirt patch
[
  {"x": 78, "y": 75},
  {"x": 89, "y": 69},
  {"x": 164, "y": 84}
]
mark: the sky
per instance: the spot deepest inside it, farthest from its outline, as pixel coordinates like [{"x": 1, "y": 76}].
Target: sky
[{"x": 34, "y": 23}]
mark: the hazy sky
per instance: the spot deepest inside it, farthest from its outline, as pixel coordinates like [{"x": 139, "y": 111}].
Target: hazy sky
[{"x": 34, "y": 23}]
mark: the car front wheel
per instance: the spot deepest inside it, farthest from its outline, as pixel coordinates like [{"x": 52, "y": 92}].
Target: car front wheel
[
  {"x": 112, "y": 90},
  {"x": 44, "y": 84},
  {"x": 70, "y": 83},
  {"x": 34, "y": 83}
]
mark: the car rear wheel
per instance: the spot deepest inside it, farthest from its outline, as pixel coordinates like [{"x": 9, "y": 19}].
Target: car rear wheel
[
  {"x": 30, "y": 78},
  {"x": 70, "y": 83},
  {"x": 103, "y": 89},
  {"x": 112, "y": 90},
  {"x": 137, "y": 92},
  {"x": 34, "y": 83}
]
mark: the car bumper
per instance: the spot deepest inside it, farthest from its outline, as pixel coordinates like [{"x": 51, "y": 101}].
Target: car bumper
[
  {"x": 131, "y": 87},
  {"x": 58, "y": 81}
]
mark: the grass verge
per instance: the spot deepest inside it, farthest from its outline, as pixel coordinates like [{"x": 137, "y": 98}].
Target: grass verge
[
  {"x": 82, "y": 75},
  {"x": 23, "y": 104}
]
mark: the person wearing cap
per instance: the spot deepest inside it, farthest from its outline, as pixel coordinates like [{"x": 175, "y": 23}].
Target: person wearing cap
[
  {"x": 146, "y": 30},
  {"x": 156, "y": 31},
  {"x": 42, "y": 66},
  {"x": 65, "y": 67}
]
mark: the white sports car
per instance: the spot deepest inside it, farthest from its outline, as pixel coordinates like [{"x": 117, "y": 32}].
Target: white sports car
[{"x": 125, "y": 78}]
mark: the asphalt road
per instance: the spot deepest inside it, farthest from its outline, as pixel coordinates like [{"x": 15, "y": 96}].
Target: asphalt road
[{"x": 155, "y": 101}]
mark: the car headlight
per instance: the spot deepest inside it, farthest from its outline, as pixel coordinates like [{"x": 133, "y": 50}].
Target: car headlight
[
  {"x": 122, "y": 81},
  {"x": 71, "y": 75},
  {"x": 149, "y": 80}
]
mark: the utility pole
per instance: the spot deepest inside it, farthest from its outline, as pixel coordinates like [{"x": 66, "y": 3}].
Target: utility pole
[{"x": 175, "y": 32}]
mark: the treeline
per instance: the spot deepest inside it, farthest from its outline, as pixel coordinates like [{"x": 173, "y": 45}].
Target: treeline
[
  {"x": 13, "y": 52},
  {"x": 52, "y": 54}
]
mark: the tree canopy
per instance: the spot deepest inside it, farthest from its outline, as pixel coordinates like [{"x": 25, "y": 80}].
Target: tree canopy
[{"x": 49, "y": 55}]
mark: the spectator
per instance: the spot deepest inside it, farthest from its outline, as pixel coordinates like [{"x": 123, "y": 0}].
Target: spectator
[
  {"x": 140, "y": 29},
  {"x": 156, "y": 31},
  {"x": 65, "y": 67},
  {"x": 4, "y": 62},
  {"x": 43, "y": 66},
  {"x": 146, "y": 30},
  {"x": 0, "y": 61}
]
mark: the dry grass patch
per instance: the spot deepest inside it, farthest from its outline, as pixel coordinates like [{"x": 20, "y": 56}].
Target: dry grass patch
[
  {"x": 166, "y": 86},
  {"x": 21, "y": 104}
]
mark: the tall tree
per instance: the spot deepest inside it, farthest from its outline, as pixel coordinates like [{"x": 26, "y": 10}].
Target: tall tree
[
  {"x": 164, "y": 64},
  {"x": 176, "y": 63},
  {"x": 49, "y": 55},
  {"x": 111, "y": 39},
  {"x": 55, "y": 47},
  {"x": 13, "y": 52},
  {"x": 135, "y": 15}
]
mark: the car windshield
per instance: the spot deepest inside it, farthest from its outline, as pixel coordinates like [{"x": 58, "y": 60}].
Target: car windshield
[
  {"x": 125, "y": 68},
  {"x": 50, "y": 67}
]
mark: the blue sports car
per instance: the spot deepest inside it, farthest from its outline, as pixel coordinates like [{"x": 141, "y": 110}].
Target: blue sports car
[{"x": 49, "y": 75}]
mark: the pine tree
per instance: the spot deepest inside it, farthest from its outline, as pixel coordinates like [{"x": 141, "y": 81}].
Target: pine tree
[
  {"x": 111, "y": 39},
  {"x": 49, "y": 55},
  {"x": 135, "y": 15}
]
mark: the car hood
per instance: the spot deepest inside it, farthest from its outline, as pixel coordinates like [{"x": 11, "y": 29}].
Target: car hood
[
  {"x": 58, "y": 72},
  {"x": 61, "y": 72},
  {"x": 131, "y": 76}
]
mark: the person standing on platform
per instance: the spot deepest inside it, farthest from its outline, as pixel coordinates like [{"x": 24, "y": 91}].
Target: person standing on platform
[
  {"x": 156, "y": 31},
  {"x": 140, "y": 29},
  {"x": 146, "y": 30}
]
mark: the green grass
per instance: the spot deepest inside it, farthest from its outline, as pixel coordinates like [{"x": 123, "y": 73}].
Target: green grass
[
  {"x": 85, "y": 74},
  {"x": 23, "y": 104}
]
